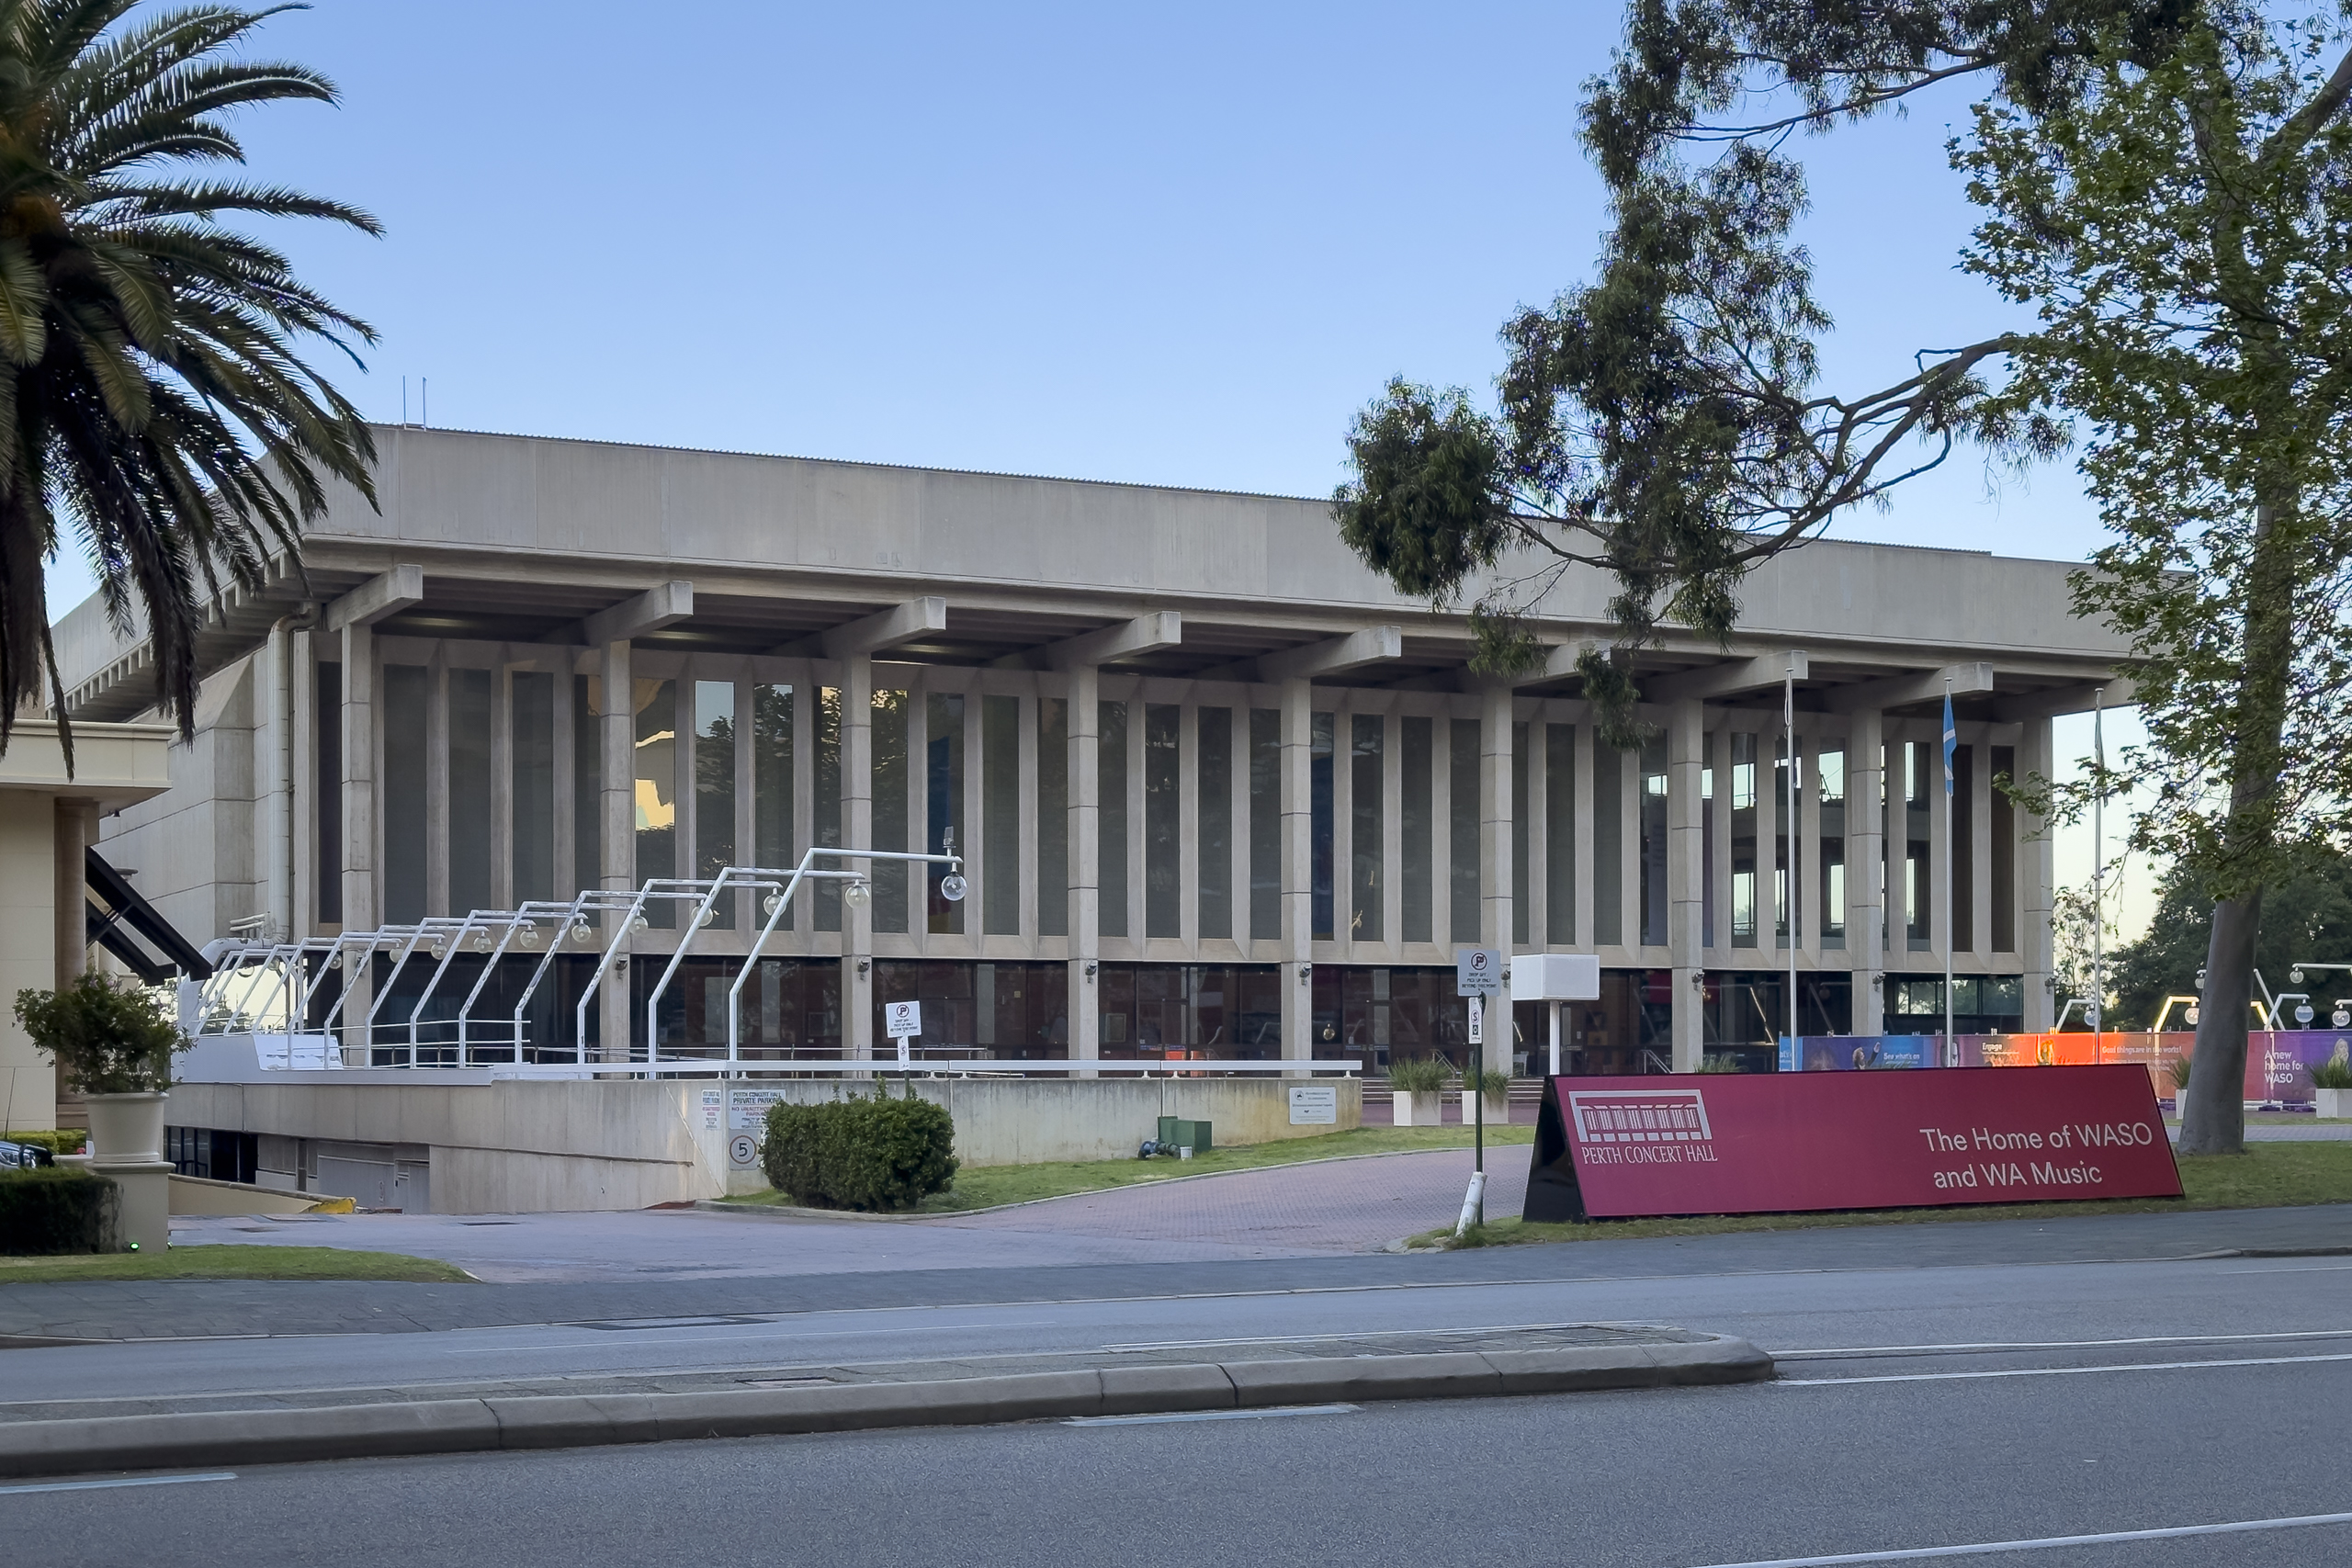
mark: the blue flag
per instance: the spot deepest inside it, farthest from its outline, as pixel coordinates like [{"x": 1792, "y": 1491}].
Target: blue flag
[{"x": 1951, "y": 742}]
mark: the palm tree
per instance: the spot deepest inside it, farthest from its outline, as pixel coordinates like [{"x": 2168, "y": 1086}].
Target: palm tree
[{"x": 153, "y": 396}]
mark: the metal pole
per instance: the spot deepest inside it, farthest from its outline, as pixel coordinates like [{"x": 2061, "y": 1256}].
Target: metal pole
[
  {"x": 2098, "y": 873},
  {"x": 1952, "y": 1050},
  {"x": 1788, "y": 718}
]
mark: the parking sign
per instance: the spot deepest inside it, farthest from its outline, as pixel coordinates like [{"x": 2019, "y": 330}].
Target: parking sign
[
  {"x": 1478, "y": 972},
  {"x": 902, "y": 1019}
]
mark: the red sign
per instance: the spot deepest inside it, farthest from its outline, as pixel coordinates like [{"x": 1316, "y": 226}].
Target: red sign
[{"x": 1777, "y": 1143}]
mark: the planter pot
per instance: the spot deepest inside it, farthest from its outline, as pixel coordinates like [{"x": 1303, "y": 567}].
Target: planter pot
[
  {"x": 1415, "y": 1110},
  {"x": 2333, "y": 1103},
  {"x": 1497, "y": 1109},
  {"x": 126, "y": 1126}
]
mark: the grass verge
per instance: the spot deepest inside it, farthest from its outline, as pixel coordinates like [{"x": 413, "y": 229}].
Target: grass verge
[
  {"x": 983, "y": 1187},
  {"x": 2268, "y": 1176},
  {"x": 232, "y": 1263}
]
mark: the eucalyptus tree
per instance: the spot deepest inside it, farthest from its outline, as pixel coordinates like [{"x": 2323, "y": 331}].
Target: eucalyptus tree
[
  {"x": 157, "y": 411},
  {"x": 2163, "y": 192}
]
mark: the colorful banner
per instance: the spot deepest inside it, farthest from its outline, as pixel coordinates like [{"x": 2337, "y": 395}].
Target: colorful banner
[
  {"x": 1774, "y": 1143},
  {"x": 2278, "y": 1063}
]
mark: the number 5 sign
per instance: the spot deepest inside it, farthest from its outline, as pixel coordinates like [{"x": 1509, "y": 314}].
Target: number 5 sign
[{"x": 902, "y": 1019}]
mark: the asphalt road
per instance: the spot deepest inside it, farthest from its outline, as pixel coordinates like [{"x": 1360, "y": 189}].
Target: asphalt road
[{"x": 1957, "y": 1449}]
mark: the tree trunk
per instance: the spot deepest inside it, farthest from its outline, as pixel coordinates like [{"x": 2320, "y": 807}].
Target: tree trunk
[{"x": 2213, "y": 1109}]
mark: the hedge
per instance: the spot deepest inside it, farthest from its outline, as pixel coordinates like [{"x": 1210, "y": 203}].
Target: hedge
[
  {"x": 67, "y": 1142},
  {"x": 53, "y": 1208},
  {"x": 860, "y": 1154}
]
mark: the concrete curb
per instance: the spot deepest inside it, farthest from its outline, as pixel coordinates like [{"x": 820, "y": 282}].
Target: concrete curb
[{"x": 471, "y": 1426}]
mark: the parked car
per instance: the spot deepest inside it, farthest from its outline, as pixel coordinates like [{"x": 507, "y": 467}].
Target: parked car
[{"x": 23, "y": 1157}]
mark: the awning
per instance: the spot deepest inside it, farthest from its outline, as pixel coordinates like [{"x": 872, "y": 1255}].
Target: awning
[{"x": 115, "y": 910}]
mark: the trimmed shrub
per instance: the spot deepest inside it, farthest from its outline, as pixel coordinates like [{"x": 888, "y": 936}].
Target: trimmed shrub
[
  {"x": 875, "y": 1154},
  {"x": 53, "y": 1208},
  {"x": 104, "y": 1038},
  {"x": 1420, "y": 1075},
  {"x": 65, "y": 1140}
]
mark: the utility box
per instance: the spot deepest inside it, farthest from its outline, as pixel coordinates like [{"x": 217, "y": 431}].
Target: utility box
[
  {"x": 1176, "y": 1132},
  {"x": 1554, "y": 978}
]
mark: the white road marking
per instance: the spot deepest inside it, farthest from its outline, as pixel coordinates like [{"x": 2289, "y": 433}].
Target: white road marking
[
  {"x": 2062, "y": 1343},
  {"x": 127, "y": 1480},
  {"x": 1210, "y": 1416},
  {"x": 1979, "y": 1549},
  {"x": 2065, "y": 1371}
]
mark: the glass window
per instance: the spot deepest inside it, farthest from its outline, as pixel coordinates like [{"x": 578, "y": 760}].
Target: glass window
[
  {"x": 1707, "y": 839},
  {"x": 1053, "y": 817},
  {"x": 587, "y": 784},
  {"x": 944, "y": 801},
  {"x": 825, "y": 810},
  {"x": 1608, "y": 845},
  {"x": 1654, "y": 835},
  {"x": 1163, "y": 876},
  {"x": 1000, "y": 816},
  {"x": 1785, "y": 843},
  {"x": 403, "y": 794},
  {"x": 1212, "y": 761},
  {"x": 1560, "y": 835},
  {"x": 891, "y": 803},
  {"x": 1743, "y": 839},
  {"x": 2005, "y": 852},
  {"x": 1917, "y": 917},
  {"x": 1417, "y": 818},
  {"x": 1367, "y": 823},
  {"x": 533, "y": 825},
  {"x": 1265, "y": 824},
  {"x": 1462, "y": 809},
  {"x": 469, "y": 791},
  {"x": 1319, "y": 821},
  {"x": 1963, "y": 848},
  {"x": 656, "y": 791},
  {"x": 771, "y": 741},
  {"x": 715, "y": 789},
  {"x": 1830, "y": 783},
  {"x": 1110, "y": 773},
  {"x": 1521, "y": 816},
  {"x": 329, "y": 778}
]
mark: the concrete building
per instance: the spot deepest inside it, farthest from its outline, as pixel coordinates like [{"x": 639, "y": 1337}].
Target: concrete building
[{"x": 1220, "y": 790}]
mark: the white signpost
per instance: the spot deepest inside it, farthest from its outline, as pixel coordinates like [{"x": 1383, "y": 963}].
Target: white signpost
[
  {"x": 1478, "y": 974},
  {"x": 901, "y": 1020}
]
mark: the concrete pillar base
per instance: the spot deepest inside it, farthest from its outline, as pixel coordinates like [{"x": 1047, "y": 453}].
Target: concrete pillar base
[{"x": 146, "y": 1212}]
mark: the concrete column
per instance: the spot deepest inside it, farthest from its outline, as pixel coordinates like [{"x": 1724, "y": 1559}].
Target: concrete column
[
  {"x": 617, "y": 723},
  {"x": 273, "y": 768},
  {"x": 71, "y": 943},
  {"x": 1299, "y": 869},
  {"x": 302, "y": 692},
  {"x": 1084, "y": 786},
  {"x": 858, "y": 834},
  {"x": 1686, "y": 910},
  {"x": 2037, "y": 880},
  {"x": 1495, "y": 829},
  {"x": 1866, "y": 868},
  {"x": 357, "y": 854}
]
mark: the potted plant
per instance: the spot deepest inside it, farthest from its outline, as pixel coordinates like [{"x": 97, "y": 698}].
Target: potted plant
[
  {"x": 1414, "y": 1087},
  {"x": 113, "y": 1043},
  {"x": 2332, "y": 1084},
  {"x": 1496, "y": 1086}
]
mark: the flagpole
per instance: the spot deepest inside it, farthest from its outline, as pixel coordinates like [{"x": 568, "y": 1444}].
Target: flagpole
[
  {"x": 1789, "y": 717},
  {"x": 1951, "y": 1051},
  {"x": 2099, "y": 873}
]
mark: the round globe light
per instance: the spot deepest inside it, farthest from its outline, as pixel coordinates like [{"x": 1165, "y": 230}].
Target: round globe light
[
  {"x": 953, "y": 888},
  {"x": 857, "y": 894},
  {"x": 768, "y": 905},
  {"x": 582, "y": 934}
]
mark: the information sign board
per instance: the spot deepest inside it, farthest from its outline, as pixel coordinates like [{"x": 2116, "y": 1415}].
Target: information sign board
[
  {"x": 902, "y": 1019},
  {"x": 1314, "y": 1105},
  {"x": 1477, "y": 971}
]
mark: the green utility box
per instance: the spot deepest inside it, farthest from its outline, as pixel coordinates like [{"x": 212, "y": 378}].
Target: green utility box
[{"x": 1175, "y": 1132}]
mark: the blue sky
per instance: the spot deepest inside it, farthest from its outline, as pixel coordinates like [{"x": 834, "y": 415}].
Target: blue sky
[{"x": 1175, "y": 245}]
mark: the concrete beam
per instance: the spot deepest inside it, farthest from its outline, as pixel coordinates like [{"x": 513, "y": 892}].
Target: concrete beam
[
  {"x": 1763, "y": 673},
  {"x": 1106, "y": 644},
  {"x": 388, "y": 594},
  {"x": 1373, "y": 645},
  {"x": 2029, "y": 706},
  {"x": 649, "y": 612},
  {"x": 1901, "y": 690},
  {"x": 873, "y": 633}
]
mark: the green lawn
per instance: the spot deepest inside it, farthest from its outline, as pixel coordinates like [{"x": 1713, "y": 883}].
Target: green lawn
[
  {"x": 983, "y": 1187},
  {"x": 2268, "y": 1176},
  {"x": 232, "y": 1263}
]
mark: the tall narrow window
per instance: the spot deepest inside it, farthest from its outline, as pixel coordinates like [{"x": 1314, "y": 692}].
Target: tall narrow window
[
  {"x": 2005, "y": 853},
  {"x": 1213, "y": 761},
  {"x": 1319, "y": 822},
  {"x": 1830, "y": 782},
  {"x": 1462, "y": 809},
  {"x": 533, "y": 825},
  {"x": 892, "y": 800},
  {"x": 1560, "y": 835},
  {"x": 329, "y": 730},
  {"x": 1000, "y": 816},
  {"x": 587, "y": 784},
  {"x": 1522, "y": 815},
  {"x": 1608, "y": 844},
  {"x": 1707, "y": 850},
  {"x": 1786, "y": 847},
  {"x": 403, "y": 794},
  {"x": 1367, "y": 823},
  {"x": 656, "y": 788},
  {"x": 1053, "y": 817},
  {"x": 773, "y": 844},
  {"x": 1964, "y": 847},
  {"x": 1919, "y": 878},
  {"x": 1265, "y": 824},
  {"x": 715, "y": 789},
  {"x": 1417, "y": 736},
  {"x": 1743, "y": 839},
  {"x": 943, "y": 799},
  {"x": 1163, "y": 876},
  {"x": 1110, "y": 771},
  {"x": 1653, "y": 807},
  {"x": 825, "y": 810},
  {"x": 469, "y": 798}
]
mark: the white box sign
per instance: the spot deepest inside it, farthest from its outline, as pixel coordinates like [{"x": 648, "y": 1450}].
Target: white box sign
[
  {"x": 747, "y": 1108},
  {"x": 1313, "y": 1105},
  {"x": 902, "y": 1019}
]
